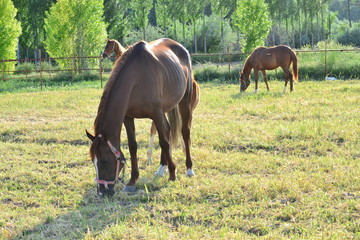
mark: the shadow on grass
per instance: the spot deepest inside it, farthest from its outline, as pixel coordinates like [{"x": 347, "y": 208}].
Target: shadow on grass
[{"x": 94, "y": 214}]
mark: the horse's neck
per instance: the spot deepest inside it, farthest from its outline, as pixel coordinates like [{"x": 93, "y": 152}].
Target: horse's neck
[
  {"x": 247, "y": 67},
  {"x": 113, "y": 106},
  {"x": 118, "y": 50}
]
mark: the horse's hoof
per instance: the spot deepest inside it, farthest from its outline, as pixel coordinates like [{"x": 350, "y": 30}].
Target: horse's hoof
[
  {"x": 129, "y": 189},
  {"x": 161, "y": 171},
  {"x": 190, "y": 173}
]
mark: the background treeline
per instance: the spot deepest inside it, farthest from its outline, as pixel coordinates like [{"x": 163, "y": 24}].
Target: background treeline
[{"x": 203, "y": 26}]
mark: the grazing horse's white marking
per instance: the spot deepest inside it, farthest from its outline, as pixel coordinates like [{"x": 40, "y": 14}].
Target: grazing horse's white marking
[
  {"x": 97, "y": 172},
  {"x": 284, "y": 89},
  {"x": 149, "y": 152},
  {"x": 161, "y": 170},
  {"x": 190, "y": 173},
  {"x": 256, "y": 91}
]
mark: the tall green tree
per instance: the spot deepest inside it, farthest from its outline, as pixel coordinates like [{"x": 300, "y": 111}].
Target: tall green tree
[
  {"x": 163, "y": 14},
  {"x": 75, "y": 29},
  {"x": 116, "y": 13},
  {"x": 251, "y": 17},
  {"x": 141, "y": 10},
  {"x": 181, "y": 14},
  {"x": 10, "y": 30},
  {"x": 223, "y": 8},
  {"x": 31, "y": 14},
  {"x": 195, "y": 10}
]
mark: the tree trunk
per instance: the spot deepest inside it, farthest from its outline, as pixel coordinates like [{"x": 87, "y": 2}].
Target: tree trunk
[
  {"x": 222, "y": 32},
  {"x": 184, "y": 35},
  {"x": 195, "y": 40},
  {"x": 204, "y": 33},
  {"x": 349, "y": 12}
]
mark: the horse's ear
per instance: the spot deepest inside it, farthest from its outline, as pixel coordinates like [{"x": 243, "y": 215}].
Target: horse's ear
[{"x": 91, "y": 137}]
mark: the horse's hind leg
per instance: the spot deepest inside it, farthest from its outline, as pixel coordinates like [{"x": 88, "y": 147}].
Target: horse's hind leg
[
  {"x": 151, "y": 143},
  {"x": 291, "y": 82},
  {"x": 288, "y": 76},
  {"x": 265, "y": 79},
  {"x": 186, "y": 116},
  {"x": 163, "y": 128}
]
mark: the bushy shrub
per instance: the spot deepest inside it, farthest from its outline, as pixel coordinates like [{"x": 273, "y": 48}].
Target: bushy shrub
[
  {"x": 47, "y": 66},
  {"x": 25, "y": 68},
  {"x": 351, "y": 37}
]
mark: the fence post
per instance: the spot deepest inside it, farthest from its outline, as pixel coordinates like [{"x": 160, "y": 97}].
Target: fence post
[
  {"x": 41, "y": 80},
  {"x": 325, "y": 58},
  {"x": 228, "y": 53},
  {"x": 3, "y": 69},
  {"x": 101, "y": 70}
]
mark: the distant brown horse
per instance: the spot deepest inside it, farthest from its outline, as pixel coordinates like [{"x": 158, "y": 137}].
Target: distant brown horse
[
  {"x": 149, "y": 80},
  {"x": 115, "y": 46},
  {"x": 269, "y": 58}
]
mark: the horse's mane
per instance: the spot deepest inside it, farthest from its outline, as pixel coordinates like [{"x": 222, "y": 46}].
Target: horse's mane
[
  {"x": 117, "y": 44},
  {"x": 120, "y": 64},
  {"x": 247, "y": 64}
]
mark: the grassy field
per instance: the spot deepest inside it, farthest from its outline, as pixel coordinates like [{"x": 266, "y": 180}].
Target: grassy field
[{"x": 268, "y": 165}]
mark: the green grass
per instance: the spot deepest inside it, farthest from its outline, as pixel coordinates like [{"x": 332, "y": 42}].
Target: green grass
[{"x": 268, "y": 165}]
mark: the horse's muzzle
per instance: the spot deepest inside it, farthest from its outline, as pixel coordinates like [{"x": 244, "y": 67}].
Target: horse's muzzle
[
  {"x": 106, "y": 192},
  {"x": 104, "y": 55}
]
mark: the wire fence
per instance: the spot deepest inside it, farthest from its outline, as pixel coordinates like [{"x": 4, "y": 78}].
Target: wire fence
[{"x": 47, "y": 67}]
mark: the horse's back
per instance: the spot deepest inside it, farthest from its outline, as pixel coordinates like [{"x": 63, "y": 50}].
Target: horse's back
[
  {"x": 268, "y": 58},
  {"x": 159, "y": 77},
  {"x": 178, "y": 49}
]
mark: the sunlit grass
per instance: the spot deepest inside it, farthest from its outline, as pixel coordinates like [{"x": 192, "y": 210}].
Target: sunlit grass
[{"x": 274, "y": 165}]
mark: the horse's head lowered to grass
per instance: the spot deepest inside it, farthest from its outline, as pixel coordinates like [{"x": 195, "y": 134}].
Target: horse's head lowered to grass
[
  {"x": 244, "y": 82},
  {"x": 108, "y": 163}
]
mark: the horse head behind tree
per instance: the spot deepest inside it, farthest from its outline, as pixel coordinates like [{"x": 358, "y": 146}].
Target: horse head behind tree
[
  {"x": 148, "y": 81},
  {"x": 269, "y": 58}
]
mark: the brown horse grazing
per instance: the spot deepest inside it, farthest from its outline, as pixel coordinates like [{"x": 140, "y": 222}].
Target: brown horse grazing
[
  {"x": 113, "y": 46},
  {"x": 269, "y": 58},
  {"x": 149, "y": 80}
]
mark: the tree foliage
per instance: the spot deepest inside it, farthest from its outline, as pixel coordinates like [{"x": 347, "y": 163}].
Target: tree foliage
[
  {"x": 32, "y": 15},
  {"x": 75, "y": 28},
  {"x": 141, "y": 9},
  {"x": 10, "y": 30},
  {"x": 251, "y": 17},
  {"x": 117, "y": 16}
]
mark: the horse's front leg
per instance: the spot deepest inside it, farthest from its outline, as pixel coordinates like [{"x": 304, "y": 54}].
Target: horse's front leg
[
  {"x": 265, "y": 80},
  {"x": 130, "y": 130},
  {"x": 256, "y": 76}
]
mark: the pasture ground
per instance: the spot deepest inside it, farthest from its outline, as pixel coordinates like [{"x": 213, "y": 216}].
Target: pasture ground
[{"x": 273, "y": 165}]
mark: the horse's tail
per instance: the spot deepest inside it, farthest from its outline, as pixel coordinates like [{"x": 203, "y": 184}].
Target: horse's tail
[
  {"x": 294, "y": 66},
  {"x": 175, "y": 122}
]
